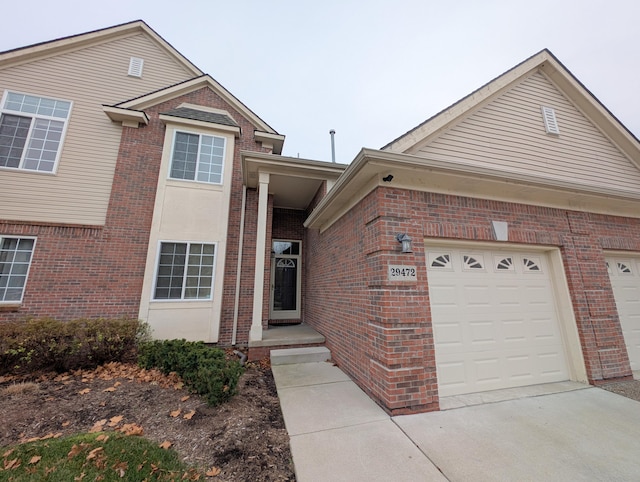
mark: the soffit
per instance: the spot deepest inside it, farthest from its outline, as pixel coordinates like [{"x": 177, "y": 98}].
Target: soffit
[
  {"x": 369, "y": 168},
  {"x": 293, "y": 182}
]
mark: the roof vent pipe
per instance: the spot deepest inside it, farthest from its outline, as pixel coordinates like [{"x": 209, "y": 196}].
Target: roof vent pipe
[{"x": 333, "y": 145}]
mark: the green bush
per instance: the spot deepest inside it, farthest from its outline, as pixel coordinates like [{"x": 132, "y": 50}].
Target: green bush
[
  {"x": 45, "y": 343},
  {"x": 205, "y": 370}
]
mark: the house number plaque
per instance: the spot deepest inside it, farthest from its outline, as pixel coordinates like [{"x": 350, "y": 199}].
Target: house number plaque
[{"x": 402, "y": 273}]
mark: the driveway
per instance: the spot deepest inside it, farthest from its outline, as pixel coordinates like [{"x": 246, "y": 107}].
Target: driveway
[
  {"x": 587, "y": 434},
  {"x": 338, "y": 433}
]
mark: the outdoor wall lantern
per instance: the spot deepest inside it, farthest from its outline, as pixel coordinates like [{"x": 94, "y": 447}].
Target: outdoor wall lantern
[{"x": 406, "y": 242}]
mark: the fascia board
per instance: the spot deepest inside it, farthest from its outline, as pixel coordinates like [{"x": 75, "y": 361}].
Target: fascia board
[
  {"x": 162, "y": 95},
  {"x": 255, "y": 162},
  {"x": 593, "y": 109},
  {"x": 75, "y": 42},
  {"x": 117, "y": 114},
  {"x": 372, "y": 164},
  {"x": 449, "y": 115}
]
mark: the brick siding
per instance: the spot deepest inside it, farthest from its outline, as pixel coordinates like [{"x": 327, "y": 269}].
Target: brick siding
[
  {"x": 381, "y": 333},
  {"x": 97, "y": 271}
]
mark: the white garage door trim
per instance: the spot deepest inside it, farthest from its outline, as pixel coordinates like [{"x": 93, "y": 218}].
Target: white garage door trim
[
  {"x": 624, "y": 273},
  {"x": 487, "y": 342}
]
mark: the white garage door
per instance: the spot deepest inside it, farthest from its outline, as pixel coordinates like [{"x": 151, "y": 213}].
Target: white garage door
[
  {"x": 495, "y": 320},
  {"x": 625, "y": 280}
]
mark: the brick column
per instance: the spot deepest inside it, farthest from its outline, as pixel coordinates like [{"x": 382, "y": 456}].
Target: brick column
[
  {"x": 603, "y": 345},
  {"x": 401, "y": 347}
]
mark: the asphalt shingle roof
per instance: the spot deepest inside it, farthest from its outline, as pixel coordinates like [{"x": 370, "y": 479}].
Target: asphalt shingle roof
[{"x": 200, "y": 115}]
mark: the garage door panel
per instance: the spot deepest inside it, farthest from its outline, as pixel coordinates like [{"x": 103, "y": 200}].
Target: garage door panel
[
  {"x": 483, "y": 334},
  {"x": 448, "y": 335},
  {"x": 514, "y": 331},
  {"x": 544, "y": 329},
  {"x": 476, "y": 296},
  {"x": 506, "y": 328}
]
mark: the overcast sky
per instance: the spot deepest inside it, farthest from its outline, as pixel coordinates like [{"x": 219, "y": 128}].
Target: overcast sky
[{"x": 371, "y": 70}]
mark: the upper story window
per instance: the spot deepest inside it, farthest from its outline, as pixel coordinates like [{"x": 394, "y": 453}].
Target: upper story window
[
  {"x": 197, "y": 157},
  {"x": 31, "y": 131}
]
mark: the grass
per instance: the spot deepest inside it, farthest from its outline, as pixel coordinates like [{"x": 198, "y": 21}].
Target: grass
[{"x": 105, "y": 456}]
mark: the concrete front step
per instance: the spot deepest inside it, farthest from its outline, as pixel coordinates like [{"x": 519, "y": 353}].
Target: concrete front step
[{"x": 289, "y": 356}]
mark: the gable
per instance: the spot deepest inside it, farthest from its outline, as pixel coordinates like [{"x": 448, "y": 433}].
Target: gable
[
  {"x": 508, "y": 134},
  {"x": 88, "y": 74}
]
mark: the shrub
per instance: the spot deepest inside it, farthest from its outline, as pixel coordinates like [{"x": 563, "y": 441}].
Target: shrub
[
  {"x": 205, "y": 370},
  {"x": 45, "y": 343}
]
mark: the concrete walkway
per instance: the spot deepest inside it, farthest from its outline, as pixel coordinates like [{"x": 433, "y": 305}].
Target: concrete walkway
[{"x": 338, "y": 433}]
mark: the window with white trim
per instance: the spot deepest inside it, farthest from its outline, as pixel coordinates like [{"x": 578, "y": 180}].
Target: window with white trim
[
  {"x": 31, "y": 131},
  {"x": 15, "y": 260},
  {"x": 185, "y": 271},
  {"x": 197, "y": 157}
]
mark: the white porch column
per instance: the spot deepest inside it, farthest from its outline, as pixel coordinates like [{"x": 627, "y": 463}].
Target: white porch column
[{"x": 261, "y": 244}]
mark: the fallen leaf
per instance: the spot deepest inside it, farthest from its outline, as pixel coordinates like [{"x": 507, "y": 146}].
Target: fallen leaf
[
  {"x": 175, "y": 413},
  {"x": 35, "y": 459},
  {"x": 113, "y": 421},
  {"x": 213, "y": 472},
  {"x": 185, "y": 398},
  {"x": 98, "y": 426},
  {"x": 117, "y": 384},
  {"x": 84, "y": 392},
  {"x": 110, "y": 389},
  {"x": 66, "y": 424},
  {"x": 102, "y": 438},
  {"x": 75, "y": 450},
  {"x": 120, "y": 468},
  {"x": 7, "y": 453},
  {"x": 189, "y": 416},
  {"x": 165, "y": 445},
  {"x": 11, "y": 464},
  {"x": 131, "y": 429},
  {"x": 80, "y": 477},
  {"x": 178, "y": 386},
  {"x": 94, "y": 453}
]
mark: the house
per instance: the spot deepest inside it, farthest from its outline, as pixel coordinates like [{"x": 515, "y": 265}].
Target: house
[{"x": 495, "y": 245}]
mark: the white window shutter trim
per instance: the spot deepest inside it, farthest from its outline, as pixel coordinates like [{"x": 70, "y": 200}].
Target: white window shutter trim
[
  {"x": 550, "y": 121},
  {"x": 135, "y": 66}
]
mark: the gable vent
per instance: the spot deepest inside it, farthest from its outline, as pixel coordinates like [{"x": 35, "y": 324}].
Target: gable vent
[
  {"x": 550, "y": 121},
  {"x": 135, "y": 66}
]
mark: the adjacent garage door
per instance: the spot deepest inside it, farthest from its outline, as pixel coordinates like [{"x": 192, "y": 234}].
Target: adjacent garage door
[
  {"x": 625, "y": 280},
  {"x": 495, "y": 320}
]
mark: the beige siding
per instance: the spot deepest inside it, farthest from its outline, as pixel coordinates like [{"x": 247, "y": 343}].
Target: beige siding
[
  {"x": 89, "y": 77},
  {"x": 509, "y": 134}
]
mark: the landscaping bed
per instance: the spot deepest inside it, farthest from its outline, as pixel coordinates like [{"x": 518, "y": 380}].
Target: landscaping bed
[{"x": 244, "y": 438}]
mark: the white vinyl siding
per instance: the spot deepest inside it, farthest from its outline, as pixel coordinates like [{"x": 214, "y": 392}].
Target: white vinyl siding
[
  {"x": 508, "y": 134},
  {"x": 89, "y": 77}
]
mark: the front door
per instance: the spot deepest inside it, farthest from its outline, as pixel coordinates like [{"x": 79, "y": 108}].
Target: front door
[{"x": 285, "y": 280}]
